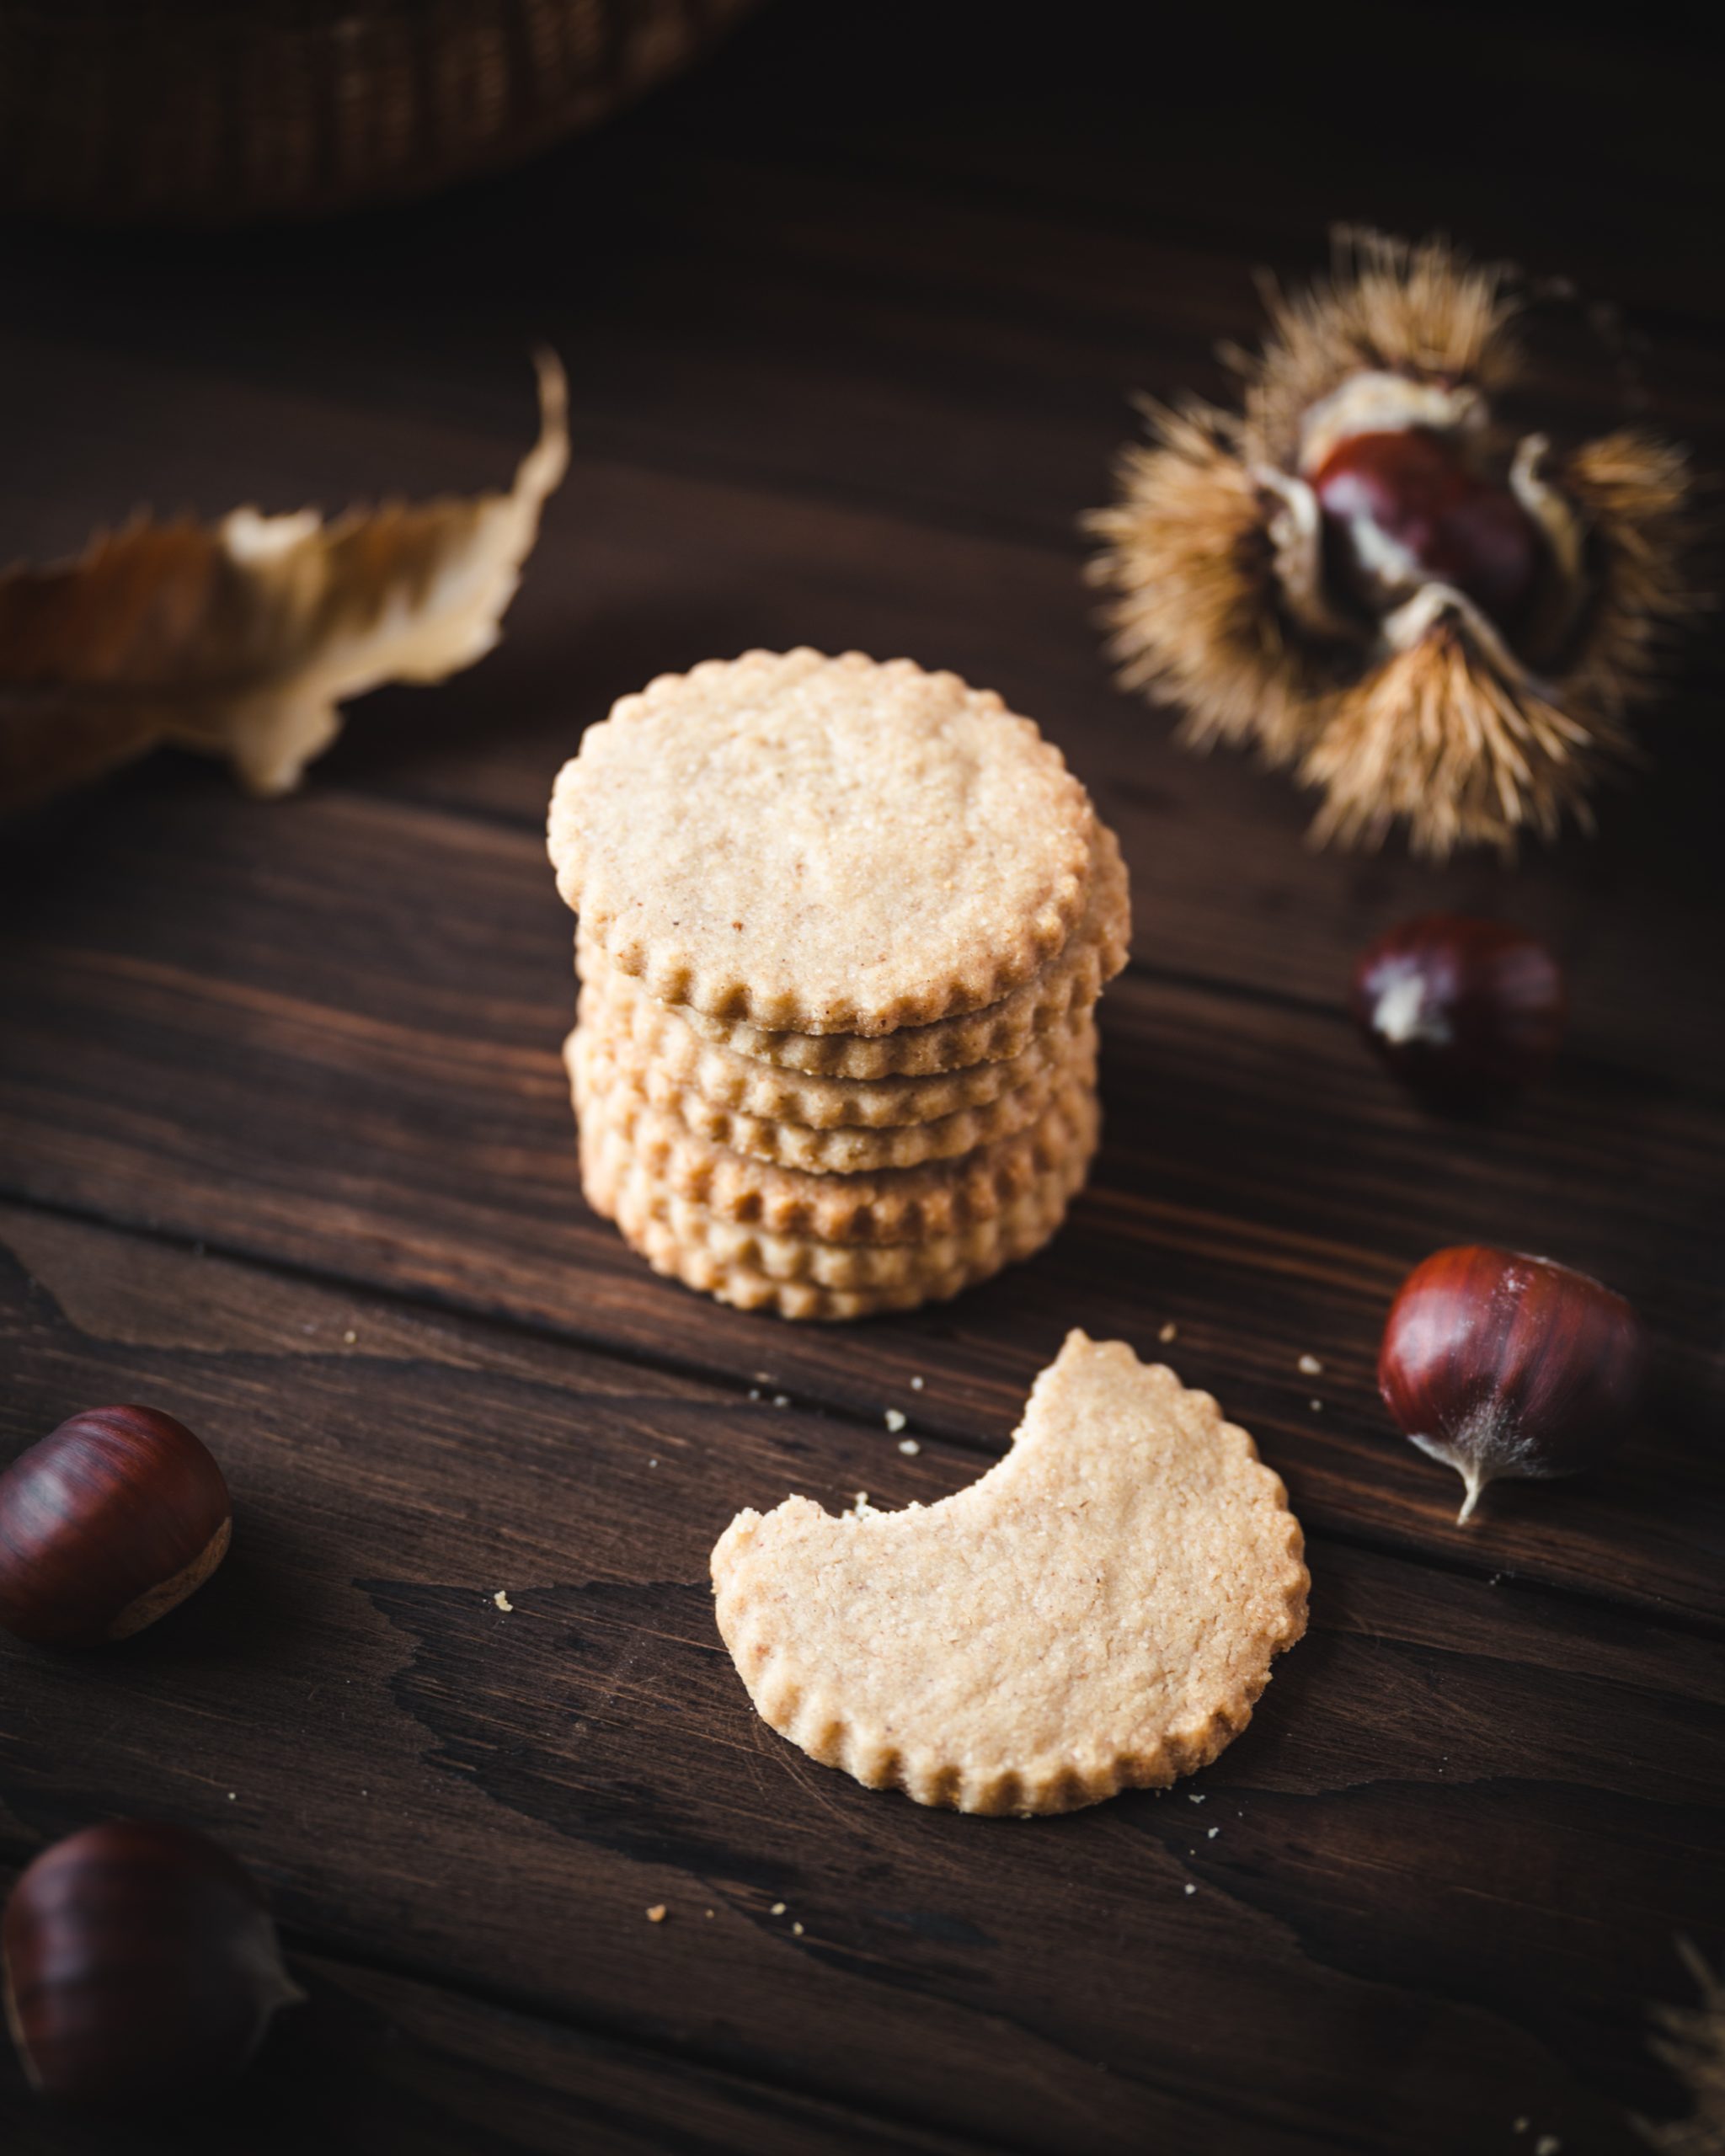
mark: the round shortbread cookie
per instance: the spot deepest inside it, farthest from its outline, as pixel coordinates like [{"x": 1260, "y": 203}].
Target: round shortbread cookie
[
  {"x": 826, "y": 844},
  {"x": 1068, "y": 982},
  {"x": 844, "y": 1151},
  {"x": 1022, "y": 1233},
  {"x": 651, "y": 1216},
  {"x": 650, "y": 1035},
  {"x": 1099, "y": 1612},
  {"x": 898, "y": 1205}
]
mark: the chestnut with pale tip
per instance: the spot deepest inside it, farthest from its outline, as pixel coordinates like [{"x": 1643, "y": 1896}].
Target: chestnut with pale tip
[
  {"x": 140, "y": 1966},
  {"x": 1501, "y": 1364},
  {"x": 1464, "y": 1013},
  {"x": 109, "y": 1523}
]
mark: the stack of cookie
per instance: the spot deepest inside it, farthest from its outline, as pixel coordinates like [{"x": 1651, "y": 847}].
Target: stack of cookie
[{"x": 842, "y": 929}]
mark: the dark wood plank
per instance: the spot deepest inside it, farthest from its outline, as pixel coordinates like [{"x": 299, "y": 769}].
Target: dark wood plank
[
  {"x": 374, "y": 2061},
  {"x": 496, "y": 1798},
  {"x": 642, "y": 569},
  {"x": 328, "y": 1035},
  {"x": 846, "y": 367},
  {"x": 799, "y": 356}
]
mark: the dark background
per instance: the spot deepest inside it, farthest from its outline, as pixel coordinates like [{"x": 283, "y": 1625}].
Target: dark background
[{"x": 852, "y": 319}]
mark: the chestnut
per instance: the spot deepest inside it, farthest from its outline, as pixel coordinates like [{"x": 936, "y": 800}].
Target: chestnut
[
  {"x": 106, "y": 1524},
  {"x": 1501, "y": 1364},
  {"x": 139, "y": 1966},
  {"x": 1406, "y": 507},
  {"x": 1461, "y": 1010}
]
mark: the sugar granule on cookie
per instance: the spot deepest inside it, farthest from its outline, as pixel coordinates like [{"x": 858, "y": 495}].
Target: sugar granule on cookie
[{"x": 1099, "y": 1612}]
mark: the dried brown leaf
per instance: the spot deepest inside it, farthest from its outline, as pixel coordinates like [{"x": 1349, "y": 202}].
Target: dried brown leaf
[{"x": 243, "y": 639}]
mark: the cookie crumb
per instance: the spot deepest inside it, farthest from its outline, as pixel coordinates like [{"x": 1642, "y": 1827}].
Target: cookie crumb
[
  {"x": 754, "y": 1392},
  {"x": 1212, "y": 1832},
  {"x": 1310, "y": 1367},
  {"x": 1316, "y": 1405},
  {"x": 778, "y": 1909},
  {"x": 780, "y": 1400},
  {"x": 657, "y": 1913},
  {"x": 706, "y": 1913},
  {"x": 909, "y": 1446},
  {"x": 501, "y": 1599},
  {"x": 233, "y": 1796},
  {"x": 796, "y": 1931},
  {"x": 1169, "y": 1331},
  {"x": 916, "y": 1384},
  {"x": 1548, "y": 2144},
  {"x": 349, "y": 1337},
  {"x": 1190, "y": 1888},
  {"x": 894, "y": 1419},
  {"x": 1195, "y": 1796}
]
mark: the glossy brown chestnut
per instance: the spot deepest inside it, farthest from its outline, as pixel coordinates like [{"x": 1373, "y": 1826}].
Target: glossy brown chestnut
[
  {"x": 141, "y": 1965},
  {"x": 1463, "y": 1012},
  {"x": 1501, "y": 1364},
  {"x": 106, "y": 1524},
  {"x": 1405, "y": 507}
]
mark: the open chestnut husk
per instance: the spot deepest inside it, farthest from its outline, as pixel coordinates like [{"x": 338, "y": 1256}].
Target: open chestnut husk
[
  {"x": 1500, "y": 1364},
  {"x": 140, "y": 1966},
  {"x": 1464, "y": 1013},
  {"x": 105, "y": 1525},
  {"x": 1368, "y": 568}
]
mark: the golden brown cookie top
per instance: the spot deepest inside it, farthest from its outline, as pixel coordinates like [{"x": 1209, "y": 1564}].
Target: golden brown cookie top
[
  {"x": 821, "y": 845},
  {"x": 1064, "y": 985}
]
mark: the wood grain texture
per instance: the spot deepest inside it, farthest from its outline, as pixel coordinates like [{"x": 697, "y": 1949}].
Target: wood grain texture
[
  {"x": 378, "y": 1096},
  {"x": 375, "y": 2060},
  {"x": 1442, "y": 1754},
  {"x": 285, "y": 1148}
]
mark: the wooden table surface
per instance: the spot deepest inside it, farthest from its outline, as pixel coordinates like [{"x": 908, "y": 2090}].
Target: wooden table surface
[{"x": 851, "y": 320}]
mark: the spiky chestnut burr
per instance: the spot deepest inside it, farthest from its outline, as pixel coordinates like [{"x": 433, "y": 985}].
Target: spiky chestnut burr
[{"x": 1361, "y": 571}]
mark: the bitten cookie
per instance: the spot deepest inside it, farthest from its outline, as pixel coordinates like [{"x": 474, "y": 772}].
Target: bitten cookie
[
  {"x": 822, "y": 845},
  {"x": 1099, "y": 1612}
]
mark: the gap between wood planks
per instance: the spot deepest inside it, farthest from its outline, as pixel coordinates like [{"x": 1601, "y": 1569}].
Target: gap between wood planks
[{"x": 1404, "y": 1550}]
